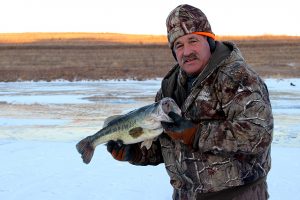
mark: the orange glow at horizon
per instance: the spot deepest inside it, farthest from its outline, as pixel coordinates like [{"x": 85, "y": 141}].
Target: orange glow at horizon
[
  {"x": 6, "y": 38},
  {"x": 108, "y": 37}
]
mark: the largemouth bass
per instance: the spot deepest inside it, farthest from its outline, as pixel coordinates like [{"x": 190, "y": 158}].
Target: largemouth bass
[{"x": 140, "y": 125}]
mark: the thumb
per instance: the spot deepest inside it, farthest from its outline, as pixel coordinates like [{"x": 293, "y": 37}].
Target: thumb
[{"x": 175, "y": 117}]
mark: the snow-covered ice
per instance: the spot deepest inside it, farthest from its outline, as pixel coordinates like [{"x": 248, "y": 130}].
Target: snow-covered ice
[{"x": 40, "y": 123}]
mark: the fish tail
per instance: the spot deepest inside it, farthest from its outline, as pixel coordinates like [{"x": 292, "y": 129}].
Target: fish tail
[{"x": 86, "y": 149}]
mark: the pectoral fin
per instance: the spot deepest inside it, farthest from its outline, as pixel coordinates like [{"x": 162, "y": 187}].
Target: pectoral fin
[
  {"x": 136, "y": 132},
  {"x": 147, "y": 144}
]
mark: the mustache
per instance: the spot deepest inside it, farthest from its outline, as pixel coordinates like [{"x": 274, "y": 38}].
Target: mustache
[{"x": 189, "y": 57}]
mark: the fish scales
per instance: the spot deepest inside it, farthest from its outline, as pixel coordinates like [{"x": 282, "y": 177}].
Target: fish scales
[{"x": 140, "y": 125}]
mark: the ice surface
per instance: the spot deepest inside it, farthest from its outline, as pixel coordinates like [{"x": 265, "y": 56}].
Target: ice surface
[
  {"x": 34, "y": 170},
  {"x": 40, "y": 123}
]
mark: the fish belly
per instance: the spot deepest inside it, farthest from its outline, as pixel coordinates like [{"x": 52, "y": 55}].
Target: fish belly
[{"x": 127, "y": 138}]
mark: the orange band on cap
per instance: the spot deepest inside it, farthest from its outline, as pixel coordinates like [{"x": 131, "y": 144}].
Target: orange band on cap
[{"x": 206, "y": 34}]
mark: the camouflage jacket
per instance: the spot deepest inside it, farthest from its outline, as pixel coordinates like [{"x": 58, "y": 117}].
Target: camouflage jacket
[{"x": 230, "y": 103}]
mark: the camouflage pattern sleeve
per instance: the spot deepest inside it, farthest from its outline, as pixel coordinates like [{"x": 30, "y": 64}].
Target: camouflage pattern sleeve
[{"x": 248, "y": 123}]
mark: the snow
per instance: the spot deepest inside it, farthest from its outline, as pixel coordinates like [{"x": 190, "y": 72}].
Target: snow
[
  {"x": 38, "y": 136},
  {"x": 54, "y": 170}
]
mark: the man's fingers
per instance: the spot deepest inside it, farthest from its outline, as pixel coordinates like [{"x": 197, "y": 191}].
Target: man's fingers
[
  {"x": 128, "y": 153},
  {"x": 120, "y": 143},
  {"x": 114, "y": 146},
  {"x": 110, "y": 145},
  {"x": 176, "y": 118},
  {"x": 167, "y": 125}
]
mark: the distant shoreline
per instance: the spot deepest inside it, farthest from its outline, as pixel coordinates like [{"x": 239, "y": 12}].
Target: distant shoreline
[
  {"x": 31, "y": 37},
  {"x": 120, "y": 56}
]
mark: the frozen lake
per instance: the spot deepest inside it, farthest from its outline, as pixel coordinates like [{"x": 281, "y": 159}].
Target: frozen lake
[
  {"x": 66, "y": 110},
  {"x": 40, "y": 123},
  {"x": 70, "y": 110}
]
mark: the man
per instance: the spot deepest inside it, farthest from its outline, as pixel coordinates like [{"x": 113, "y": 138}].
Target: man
[{"x": 225, "y": 152}]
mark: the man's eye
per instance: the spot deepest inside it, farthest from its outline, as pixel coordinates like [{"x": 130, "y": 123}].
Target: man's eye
[{"x": 178, "y": 46}]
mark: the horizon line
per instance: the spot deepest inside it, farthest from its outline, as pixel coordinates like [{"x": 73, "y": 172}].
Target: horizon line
[
  {"x": 29, "y": 37},
  {"x": 148, "y": 34}
]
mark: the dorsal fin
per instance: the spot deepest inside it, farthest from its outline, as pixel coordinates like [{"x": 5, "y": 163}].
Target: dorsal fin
[{"x": 109, "y": 119}]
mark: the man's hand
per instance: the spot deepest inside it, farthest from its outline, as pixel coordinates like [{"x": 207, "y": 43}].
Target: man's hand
[
  {"x": 181, "y": 129},
  {"x": 122, "y": 152}
]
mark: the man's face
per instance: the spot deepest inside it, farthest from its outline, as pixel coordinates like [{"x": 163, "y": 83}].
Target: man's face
[{"x": 192, "y": 53}]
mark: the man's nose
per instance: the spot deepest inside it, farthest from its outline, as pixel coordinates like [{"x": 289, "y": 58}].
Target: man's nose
[{"x": 187, "y": 50}]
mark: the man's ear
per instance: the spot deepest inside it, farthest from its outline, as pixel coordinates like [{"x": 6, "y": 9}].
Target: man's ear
[
  {"x": 174, "y": 54},
  {"x": 212, "y": 44}
]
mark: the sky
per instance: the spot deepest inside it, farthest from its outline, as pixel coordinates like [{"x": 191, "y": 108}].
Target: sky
[{"x": 230, "y": 17}]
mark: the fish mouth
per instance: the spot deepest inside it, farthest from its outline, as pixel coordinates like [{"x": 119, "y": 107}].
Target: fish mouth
[{"x": 169, "y": 105}]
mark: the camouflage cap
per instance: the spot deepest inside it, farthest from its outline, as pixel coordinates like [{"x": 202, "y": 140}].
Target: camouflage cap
[{"x": 185, "y": 19}]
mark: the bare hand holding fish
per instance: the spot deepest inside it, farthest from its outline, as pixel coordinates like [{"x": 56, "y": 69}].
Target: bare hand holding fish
[{"x": 140, "y": 125}]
